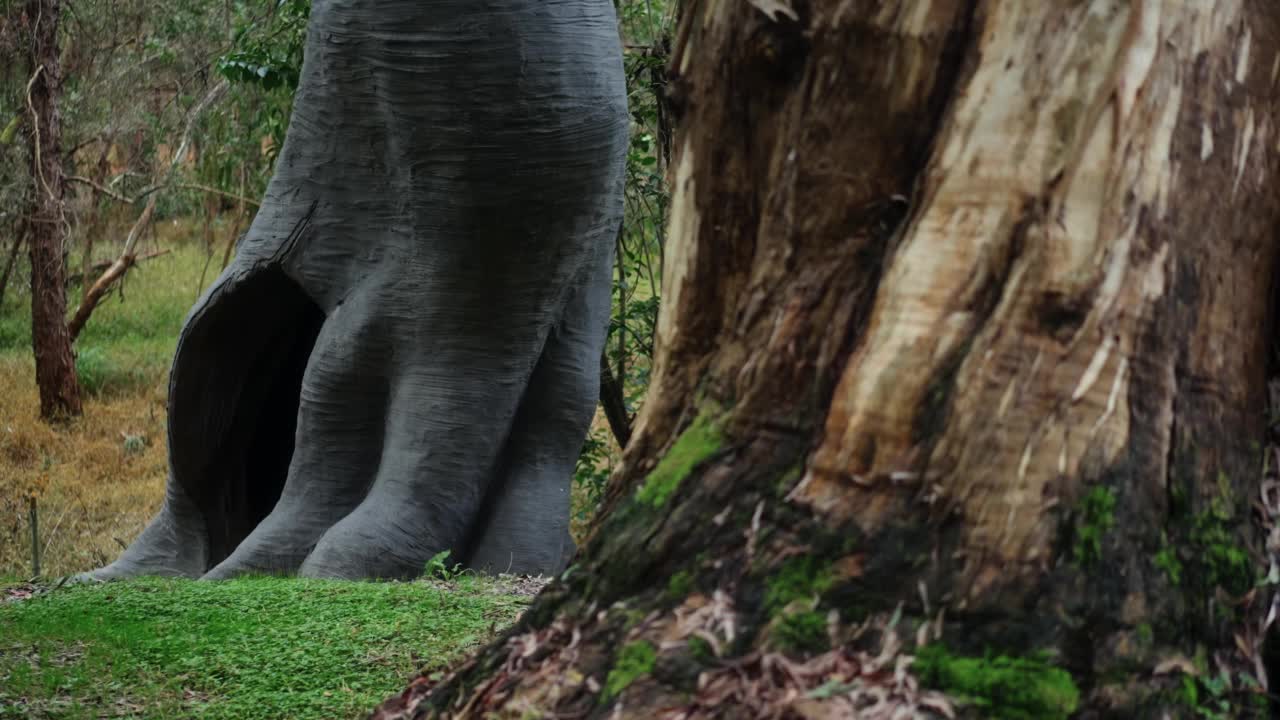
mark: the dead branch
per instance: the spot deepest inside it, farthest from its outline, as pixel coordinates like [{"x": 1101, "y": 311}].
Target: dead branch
[
  {"x": 103, "y": 265},
  {"x": 157, "y": 188},
  {"x": 216, "y": 191},
  {"x": 128, "y": 257},
  {"x": 100, "y": 188},
  {"x": 95, "y": 294},
  {"x": 113, "y": 274}
]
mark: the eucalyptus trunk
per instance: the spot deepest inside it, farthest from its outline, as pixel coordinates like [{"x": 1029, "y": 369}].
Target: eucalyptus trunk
[
  {"x": 961, "y": 381},
  {"x": 47, "y": 227}
]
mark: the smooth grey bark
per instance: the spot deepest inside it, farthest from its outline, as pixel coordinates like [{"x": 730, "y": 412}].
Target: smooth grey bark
[{"x": 403, "y": 357}]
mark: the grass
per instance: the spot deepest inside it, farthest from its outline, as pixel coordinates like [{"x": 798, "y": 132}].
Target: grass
[
  {"x": 99, "y": 479},
  {"x": 249, "y": 648},
  {"x": 129, "y": 340}
]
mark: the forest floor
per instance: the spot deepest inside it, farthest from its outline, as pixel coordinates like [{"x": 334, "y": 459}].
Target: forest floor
[
  {"x": 98, "y": 479},
  {"x": 249, "y": 648}
]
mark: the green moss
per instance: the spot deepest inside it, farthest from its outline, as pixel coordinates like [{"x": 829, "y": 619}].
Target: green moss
[
  {"x": 631, "y": 617},
  {"x": 802, "y": 631},
  {"x": 1146, "y": 635},
  {"x": 1167, "y": 560},
  {"x": 1219, "y": 557},
  {"x": 700, "y": 650},
  {"x": 698, "y": 442},
  {"x": 680, "y": 585},
  {"x": 800, "y": 578},
  {"x": 1208, "y": 552},
  {"x": 1223, "y": 562},
  {"x": 1097, "y": 517},
  {"x": 1004, "y": 688},
  {"x": 635, "y": 660}
]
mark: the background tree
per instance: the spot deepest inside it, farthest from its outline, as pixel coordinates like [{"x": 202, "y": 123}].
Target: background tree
[
  {"x": 46, "y": 228},
  {"x": 141, "y": 82},
  {"x": 961, "y": 377}
]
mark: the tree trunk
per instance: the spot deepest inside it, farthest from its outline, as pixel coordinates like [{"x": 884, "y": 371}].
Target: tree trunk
[
  {"x": 55, "y": 365},
  {"x": 963, "y": 357},
  {"x": 91, "y": 229}
]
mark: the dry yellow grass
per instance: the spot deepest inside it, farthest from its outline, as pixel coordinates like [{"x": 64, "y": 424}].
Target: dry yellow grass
[{"x": 97, "y": 480}]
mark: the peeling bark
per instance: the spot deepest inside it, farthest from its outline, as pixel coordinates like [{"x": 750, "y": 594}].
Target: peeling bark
[{"x": 964, "y": 345}]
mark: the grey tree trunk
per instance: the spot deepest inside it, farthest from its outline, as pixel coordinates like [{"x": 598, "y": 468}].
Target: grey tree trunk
[{"x": 403, "y": 357}]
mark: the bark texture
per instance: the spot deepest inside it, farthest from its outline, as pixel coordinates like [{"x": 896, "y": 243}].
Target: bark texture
[
  {"x": 963, "y": 355},
  {"x": 55, "y": 365},
  {"x": 421, "y": 303}
]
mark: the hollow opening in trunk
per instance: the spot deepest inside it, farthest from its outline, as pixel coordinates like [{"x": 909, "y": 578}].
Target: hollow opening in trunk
[{"x": 234, "y": 409}]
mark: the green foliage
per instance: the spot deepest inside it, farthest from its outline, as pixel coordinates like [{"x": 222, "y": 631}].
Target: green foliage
[
  {"x": 1209, "y": 696},
  {"x": 270, "y": 54},
  {"x": 698, "y": 442},
  {"x": 646, "y": 26},
  {"x": 802, "y": 577},
  {"x": 99, "y": 373},
  {"x": 592, "y": 469},
  {"x": 1208, "y": 554},
  {"x": 439, "y": 568},
  {"x": 255, "y": 647},
  {"x": 802, "y": 631},
  {"x": 1097, "y": 516},
  {"x": 680, "y": 585},
  {"x": 1002, "y": 687},
  {"x": 635, "y": 660},
  {"x": 1219, "y": 558},
  {"x": 700, "y": 650},
  {"x": 1167, "y": 560}
]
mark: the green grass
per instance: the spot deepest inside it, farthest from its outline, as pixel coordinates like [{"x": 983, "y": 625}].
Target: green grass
[
  {"x": 250, "y": 648},
  {"x": 130, "y": 338}
]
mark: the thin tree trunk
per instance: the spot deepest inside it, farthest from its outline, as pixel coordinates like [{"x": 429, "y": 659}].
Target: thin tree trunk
[
  {"x": 613, "y": 401},
  {"x": 239, "y": 222},
  {"x": 55, "y": 365},
  {"x": 95, "y": 212},
  {"x": 962, "y": 358}
]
